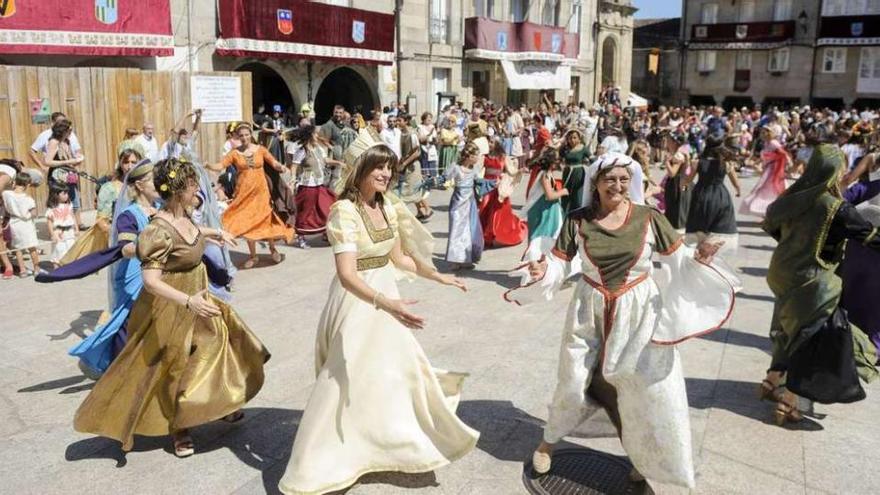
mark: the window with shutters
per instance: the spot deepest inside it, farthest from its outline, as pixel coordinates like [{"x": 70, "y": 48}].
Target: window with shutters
[
  {"x": 747, "y": 11},
  {"x": 778, "y": 61},
  {"x": 834, "y": 60},
  {"x": 709, "y": 13},
  {"x": 744, "y": 60},
  {"x": 782, "y": 10},
  {"x": 705, "y": 60}
]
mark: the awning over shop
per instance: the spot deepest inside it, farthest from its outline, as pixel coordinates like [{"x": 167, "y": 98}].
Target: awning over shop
[
  {"x": 299, "y": 29},
  {"x": 86, "y": 27},
  {"x": 536, "y": 75}
]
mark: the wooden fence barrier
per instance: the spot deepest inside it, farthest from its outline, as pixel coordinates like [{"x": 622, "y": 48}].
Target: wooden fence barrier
[{"x": 102, "y": 103}]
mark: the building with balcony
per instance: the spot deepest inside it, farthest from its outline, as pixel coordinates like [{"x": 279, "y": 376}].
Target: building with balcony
[
  {"x": 847, "y": 66},
  {"x": 749, "y": 51},
  {"x": 825, "y": 52},
  {"x": 370, "y": 53},
  {"x": 514, "y": 50}
]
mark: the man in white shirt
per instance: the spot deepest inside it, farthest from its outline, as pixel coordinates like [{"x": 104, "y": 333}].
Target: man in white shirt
[
  {"x": 148, "y": 140},
  {"x": 391, "y": 135},
  {"x": 38, "y": 148}
]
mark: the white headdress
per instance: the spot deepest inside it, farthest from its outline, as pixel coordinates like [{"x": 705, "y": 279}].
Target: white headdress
[{"x": 610, "y": 160}]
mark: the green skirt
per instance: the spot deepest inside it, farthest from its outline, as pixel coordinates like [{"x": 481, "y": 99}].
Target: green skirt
[{"x": 448, "y": 157}]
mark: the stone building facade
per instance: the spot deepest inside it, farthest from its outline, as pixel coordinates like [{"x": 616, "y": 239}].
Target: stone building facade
[
  {"x": 586, "y": 43},
  {"x": 784, "y": 52},
  {"x": 656, "y": 60}
]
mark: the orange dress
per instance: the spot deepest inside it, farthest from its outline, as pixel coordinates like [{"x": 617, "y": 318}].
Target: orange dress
[{"x": 250, "y": 214}]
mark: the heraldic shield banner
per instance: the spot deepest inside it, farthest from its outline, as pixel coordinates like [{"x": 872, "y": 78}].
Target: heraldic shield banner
[
  {"x": 87, "y": 27},
  {"x": 299, "y": 29}
]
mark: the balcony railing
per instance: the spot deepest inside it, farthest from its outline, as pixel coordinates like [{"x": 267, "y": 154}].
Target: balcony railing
[
  {"x": 747, "y": 32},
  {"x": 487, "y": 38}
]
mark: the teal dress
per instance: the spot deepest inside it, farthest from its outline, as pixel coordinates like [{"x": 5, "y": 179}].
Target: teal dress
[{"x": 545, "y": 216}]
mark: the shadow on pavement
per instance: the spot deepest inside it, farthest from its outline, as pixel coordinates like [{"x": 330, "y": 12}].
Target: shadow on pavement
[
  {"x": 748, "y": 223},
  {"x": 740, "y": 398},
  {"x": 755, "y": 297},
  {"x": 759, "y": 248},
  {"x": 86, "y": 319},
  {"x": 755, "y": 271},
  {"x": 54, "y": 384},
  {"x": 738, "y": 338},
  {"x": 508, "y": 433}
]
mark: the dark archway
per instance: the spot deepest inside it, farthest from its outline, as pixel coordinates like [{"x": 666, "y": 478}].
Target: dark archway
[
  {"x": 269, "y": 87},
  {"x": 609, "y": 57},
  {"x": 344, "y": 87}
]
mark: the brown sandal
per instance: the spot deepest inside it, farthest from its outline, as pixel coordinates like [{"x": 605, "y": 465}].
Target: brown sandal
[
  {"x": 250, "y": 263},
  {"x": 767, "y": 390},
  {"x": 786, "y": 412}
]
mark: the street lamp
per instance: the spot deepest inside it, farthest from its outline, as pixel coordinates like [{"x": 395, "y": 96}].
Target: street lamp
[{"x": 802, "y": 20}]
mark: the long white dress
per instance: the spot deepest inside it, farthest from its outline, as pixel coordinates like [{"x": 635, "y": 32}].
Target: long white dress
[
  {"x": 377, "y": 404},
  {"x": 624, "y": 321}
]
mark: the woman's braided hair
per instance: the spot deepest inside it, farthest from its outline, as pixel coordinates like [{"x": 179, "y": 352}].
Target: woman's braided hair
[{"x": 172, "y": 176}]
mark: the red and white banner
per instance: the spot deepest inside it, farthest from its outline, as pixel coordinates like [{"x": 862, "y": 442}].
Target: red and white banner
[
  {"x": 299, "y": 29},
  {"x": 86, "y": 27}
]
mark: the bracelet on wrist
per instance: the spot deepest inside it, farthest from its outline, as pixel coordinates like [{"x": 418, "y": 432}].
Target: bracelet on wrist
[
  {"x": 376, "y": 299},
  {"x": 187, "y": 302}
]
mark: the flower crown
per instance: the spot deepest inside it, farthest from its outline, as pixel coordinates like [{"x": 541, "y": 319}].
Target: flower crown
[{"x": 176, "y": 166}]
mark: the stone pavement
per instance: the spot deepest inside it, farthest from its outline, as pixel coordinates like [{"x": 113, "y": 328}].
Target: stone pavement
[{"x": 510, "y": 352}]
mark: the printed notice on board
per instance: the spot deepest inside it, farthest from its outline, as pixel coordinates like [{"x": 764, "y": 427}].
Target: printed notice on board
[{"x": 219, "y": 97}]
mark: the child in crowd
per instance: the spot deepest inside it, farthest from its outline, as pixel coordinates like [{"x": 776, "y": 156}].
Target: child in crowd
[
  {"x": 22, "y": 209},
  {"x": 465, "y": 243},
  {"x": 61, "y": 223}
]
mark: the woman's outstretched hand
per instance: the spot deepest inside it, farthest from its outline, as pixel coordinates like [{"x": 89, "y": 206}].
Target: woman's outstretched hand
[
  {"x": 537, "y": 269},
  {"x": 398, "y": 309},
  {"x": 706, "y": 251},
  {"x": 451, "y": 280}
]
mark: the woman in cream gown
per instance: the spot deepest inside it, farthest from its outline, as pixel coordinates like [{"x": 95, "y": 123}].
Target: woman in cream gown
[{"x": 377, "y": 404}]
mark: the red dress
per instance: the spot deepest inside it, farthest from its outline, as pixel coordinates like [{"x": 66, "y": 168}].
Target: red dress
[{"x": 501, "y": 226}]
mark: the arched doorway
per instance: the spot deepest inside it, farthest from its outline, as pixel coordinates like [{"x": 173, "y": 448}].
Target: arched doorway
[
  {"x": 345, "y": 87},
  {"x": 269, "y": 88},
  {"x": 609, "y": 57}
]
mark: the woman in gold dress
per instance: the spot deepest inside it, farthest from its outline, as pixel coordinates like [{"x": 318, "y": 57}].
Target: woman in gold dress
[
  {"x": 189, "y": 358},
  {"x": 377, "y": 404}
]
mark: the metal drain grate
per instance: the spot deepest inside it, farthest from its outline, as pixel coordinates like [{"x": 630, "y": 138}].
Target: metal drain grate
[{"x": 584, "y": 472}]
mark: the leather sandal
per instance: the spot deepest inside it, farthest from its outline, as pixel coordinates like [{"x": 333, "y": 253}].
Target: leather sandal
[{"x": 183, "y": 446}]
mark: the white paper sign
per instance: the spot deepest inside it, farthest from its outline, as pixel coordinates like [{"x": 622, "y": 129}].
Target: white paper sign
[{"x": 219, "y": 97}]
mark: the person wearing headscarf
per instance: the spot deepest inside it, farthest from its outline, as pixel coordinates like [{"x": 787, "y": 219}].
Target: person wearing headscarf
[
  {"x": 189, "y": 358},
  {"x": 812, "y": 224},
  {"x": 378, "y": 405},
  {"x": 711, "y": 214},
  {"x": 131, "y": 215},
  {"x": 625, "y": 319},
  {"x": 97, "y": 237}
]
